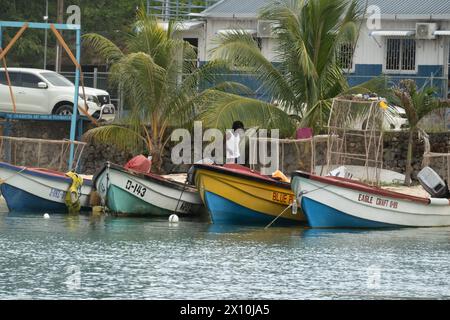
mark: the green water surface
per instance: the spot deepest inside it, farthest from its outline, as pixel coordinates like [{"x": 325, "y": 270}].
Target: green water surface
[{"x": 104, "y": 257}]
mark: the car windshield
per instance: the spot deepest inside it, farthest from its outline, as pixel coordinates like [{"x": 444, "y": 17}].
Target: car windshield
[{"x": 57, "y": 79}]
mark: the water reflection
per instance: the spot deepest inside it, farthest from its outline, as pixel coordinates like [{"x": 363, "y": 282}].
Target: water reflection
[
  {"x": 226, "y": 228},
  {"x": 121, "y": 257},
  {"x": 72, "y": 222}
]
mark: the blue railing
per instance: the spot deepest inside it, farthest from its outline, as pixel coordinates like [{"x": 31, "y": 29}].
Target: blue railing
[{"x": 440, "y": 83}]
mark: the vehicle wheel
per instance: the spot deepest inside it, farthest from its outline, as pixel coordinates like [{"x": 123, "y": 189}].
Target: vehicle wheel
[{"x": 64, "y": 110}]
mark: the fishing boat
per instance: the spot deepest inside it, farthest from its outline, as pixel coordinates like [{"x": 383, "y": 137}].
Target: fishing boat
[
  {"x": 136, "y": 193},
  {"x": 39, "y": 190},
  {"x": 335, "y": 202},
  {"x": 234, "y": 194}
]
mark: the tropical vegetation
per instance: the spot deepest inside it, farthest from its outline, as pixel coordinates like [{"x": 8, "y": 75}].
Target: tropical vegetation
[
  {"x": 307, "y": 74},
  {"x": 162, "y": 92},
  {"x": 418, "y": 103},
  {"x": 111, "y": 19},
  {"x": 159, "y": 77}
]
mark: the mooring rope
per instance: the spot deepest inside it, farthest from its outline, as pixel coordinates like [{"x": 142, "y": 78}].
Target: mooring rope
[
  {"x": 302, "y": 193},
  {"x": 179, "y": 199},
  {"x": 2, "y": 181},
  {"x": 276, "y": 218}
]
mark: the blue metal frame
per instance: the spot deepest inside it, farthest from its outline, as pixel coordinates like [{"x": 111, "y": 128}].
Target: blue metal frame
[
  {"x": 27, "y": 116},
  {"x": 77, "y": 29},
  {"x": 43, "y": 117}
]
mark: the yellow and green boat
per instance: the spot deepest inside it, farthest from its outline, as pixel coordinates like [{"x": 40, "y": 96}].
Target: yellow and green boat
[{"x": 234, "y": 194}]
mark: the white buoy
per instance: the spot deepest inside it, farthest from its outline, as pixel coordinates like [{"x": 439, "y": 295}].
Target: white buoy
[
  {"x": 173, "y": 218},
  {"x": 294, "y": 206},
  {"x": 46, "y": 216}
]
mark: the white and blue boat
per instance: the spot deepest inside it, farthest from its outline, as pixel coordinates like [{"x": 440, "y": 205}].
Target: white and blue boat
[
  {"x": 38, "y": 190},
  {"x": 334, "y": 202}
]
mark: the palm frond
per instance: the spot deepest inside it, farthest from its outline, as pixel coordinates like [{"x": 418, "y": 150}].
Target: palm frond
[
  {"x": 310, "y": 34},
  {"x": 142, "y": 79},
  {"x": 103, "y": 47},
  {"x": 377, "y": 85},
  {"x": 417, "y": 102},
  {"x": 225, "y": 108},
  {"x": 240, "y": 49},
  {"x": 121, "y": 137}
]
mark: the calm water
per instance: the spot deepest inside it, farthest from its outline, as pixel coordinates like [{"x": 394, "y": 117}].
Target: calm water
[{"x": 106, "y": 257}]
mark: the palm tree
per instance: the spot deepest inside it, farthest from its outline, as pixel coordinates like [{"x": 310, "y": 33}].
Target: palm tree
[
  {"x": 159, "y": 77},
  {"x": 417, "y": 104},
  {"x": 308, "y": 74}
]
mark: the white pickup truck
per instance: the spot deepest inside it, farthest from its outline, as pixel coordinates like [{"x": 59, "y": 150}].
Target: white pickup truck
[{"x": 39, "y": 91}]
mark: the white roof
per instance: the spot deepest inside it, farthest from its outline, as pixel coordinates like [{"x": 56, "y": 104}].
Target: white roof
[
  {"x": 245, "y": 9},
  {"x": 389, "y": 9}
]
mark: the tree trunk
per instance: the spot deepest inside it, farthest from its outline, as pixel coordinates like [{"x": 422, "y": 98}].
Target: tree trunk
[
  {"x": 409, "y": 157},
  {"x": 157, "y": 160}
]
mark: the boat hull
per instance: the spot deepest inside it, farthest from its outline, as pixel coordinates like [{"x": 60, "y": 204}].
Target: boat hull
[
  {"x": 233, "y": 198},
  {"x": 127, "y": 192},
  {"x": 225, "y": 211},
  {"x": 31, "y": 190},
  {"x": 320, "y": 215},
  {"x": 330, "y": 205}
]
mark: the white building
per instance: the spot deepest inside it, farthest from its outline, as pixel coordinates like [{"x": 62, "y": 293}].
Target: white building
[{"x": 409, "y": 40}]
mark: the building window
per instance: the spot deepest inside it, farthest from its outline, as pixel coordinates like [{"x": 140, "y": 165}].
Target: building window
[
  {"x": 345, "y": 56},
  {"x": 401, "y": 54}
]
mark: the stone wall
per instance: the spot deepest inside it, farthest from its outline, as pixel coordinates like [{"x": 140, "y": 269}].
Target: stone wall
[
  {"x": 94, "y": 156},
  {"x": 396, "y": 147}
]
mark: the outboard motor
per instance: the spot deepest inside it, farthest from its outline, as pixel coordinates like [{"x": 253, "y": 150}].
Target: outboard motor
[
  {"x": 433, "y": 183},
  {"x": 341, "y": 172}
]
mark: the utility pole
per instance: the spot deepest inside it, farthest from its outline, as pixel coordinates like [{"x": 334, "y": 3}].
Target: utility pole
[
  {"x": 45, "y": 41},
  {"x": 59, "y": 19},
  {"x": 167, "y": 10}
]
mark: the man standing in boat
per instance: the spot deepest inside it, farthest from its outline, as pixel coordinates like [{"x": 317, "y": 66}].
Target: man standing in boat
[{"x": 233, "y": 139}]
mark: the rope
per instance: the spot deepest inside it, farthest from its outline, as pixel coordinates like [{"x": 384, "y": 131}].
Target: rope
[
  {"x": 104, "y": 200},
  {"x": 266, "y": 227},
  {"x": 179, "y": 199},
  {"x": 302, "y": 193},
  {"x": 2, "y": 181}
]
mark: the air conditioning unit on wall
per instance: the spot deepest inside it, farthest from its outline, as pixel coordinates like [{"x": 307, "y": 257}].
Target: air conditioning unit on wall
[
  {"x": 265, "y": 28},
  {"x": 425, "y": 31}
]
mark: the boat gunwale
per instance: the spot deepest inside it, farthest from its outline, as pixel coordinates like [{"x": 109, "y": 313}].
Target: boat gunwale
[
  {"x": 43, "y": 173},
  {"x": 151, "y": 177},
  {"x": 361, "y": 187},
  {"x": 254, "y": 176}
]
